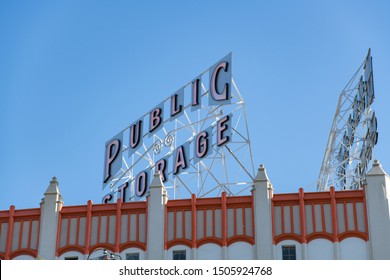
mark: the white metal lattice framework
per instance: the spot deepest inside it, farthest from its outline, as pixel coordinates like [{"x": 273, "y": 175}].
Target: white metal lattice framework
[
  {"x": 353, "y": 134},
  {"x": 227, "y": 168}
]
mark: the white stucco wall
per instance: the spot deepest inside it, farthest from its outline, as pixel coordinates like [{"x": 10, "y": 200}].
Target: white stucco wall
[
  {"x": 354, "y": 249},
  {"x": 24, "y": 257},
  {"x": 320, "y": 249},
  {"x": 209, "y": 252},
  {"x": 241, "y": 251}
]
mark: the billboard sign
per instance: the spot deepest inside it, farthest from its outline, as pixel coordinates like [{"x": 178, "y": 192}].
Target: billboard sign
[{"x": 176, "y": 138}]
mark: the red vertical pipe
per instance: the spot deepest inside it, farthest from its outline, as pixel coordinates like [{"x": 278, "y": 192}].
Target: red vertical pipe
[
  {"x": 302, "y": 215},
  {"x": 224, "y": 219},
  {"x": 334, "y": 214},
  {"x": 88, "y": 227},
  {"x": 10, "y": 232},
  {"x": 118, "y": 224},
  {"x": 193, "y": 217}
]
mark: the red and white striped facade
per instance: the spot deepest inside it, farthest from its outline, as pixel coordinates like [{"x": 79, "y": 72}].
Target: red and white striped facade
[{"x": 321, "y": 225}]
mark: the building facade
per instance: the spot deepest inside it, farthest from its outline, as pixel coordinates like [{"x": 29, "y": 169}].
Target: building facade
[{"x": 264, "y": 225}]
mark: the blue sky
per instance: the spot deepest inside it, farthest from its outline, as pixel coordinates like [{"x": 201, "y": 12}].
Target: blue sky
[{"x": 74, "y": 73}]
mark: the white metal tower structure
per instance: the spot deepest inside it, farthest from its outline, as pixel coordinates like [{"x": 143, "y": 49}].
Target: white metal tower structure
[{"x": 353, "y": 134}]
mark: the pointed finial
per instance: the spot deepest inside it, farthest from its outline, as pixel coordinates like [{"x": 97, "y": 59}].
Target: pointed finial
[
  {"x": 53, "y": 187},
  {"x": 157, "y": 181},
  {"x": 376, "y": 169},
  {"x": 54, "y": 180},
  {"x": 261, "y": 174}
]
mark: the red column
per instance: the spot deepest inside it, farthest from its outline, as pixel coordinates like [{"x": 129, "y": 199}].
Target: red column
[
  {"x": 334, "y": 214},
  {"x": 118, "y": 225},
  {"x": 10, "y": 232},
  {"x": 224, "y": 220},
  {"x": 88, "y": 227},
  {"x": 302, "y": 215},
  {"x": 193, "y": 217}
]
